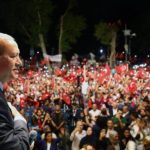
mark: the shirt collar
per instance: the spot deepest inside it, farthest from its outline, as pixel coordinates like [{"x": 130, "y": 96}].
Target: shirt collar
[{"x": 1, "y": 86}]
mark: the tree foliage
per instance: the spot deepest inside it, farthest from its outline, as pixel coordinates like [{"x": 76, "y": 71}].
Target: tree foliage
[
  {"x": 107, "y": 34},
  {"x": 28, "y": 18},
  {"x": 71, "y": 26},
  {"x": 103, "y": 32}
]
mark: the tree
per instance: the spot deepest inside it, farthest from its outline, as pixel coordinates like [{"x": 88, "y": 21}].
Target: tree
[
  {"x": 107, "y": 34},
  {"x": 71, "y": 26},
  {"x": 29, "y": 18}
]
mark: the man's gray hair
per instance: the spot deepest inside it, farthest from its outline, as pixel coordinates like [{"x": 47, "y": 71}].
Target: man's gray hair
[
  {"x": 5, "y": 40},
  {"x": 8, "y": 38}
]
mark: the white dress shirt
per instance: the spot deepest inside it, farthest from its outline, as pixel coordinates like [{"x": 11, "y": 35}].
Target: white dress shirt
[{"x": 48, "y": 146}]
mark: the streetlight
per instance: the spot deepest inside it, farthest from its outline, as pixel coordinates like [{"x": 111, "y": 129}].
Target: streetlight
[
  {"x": 130, "y": 37},
  {"x": 126, "y": 34},
  {"x": 101, "y": 51},
  {"x": 127, "y": 44}
]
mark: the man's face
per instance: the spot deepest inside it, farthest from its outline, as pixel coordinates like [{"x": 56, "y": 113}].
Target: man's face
[
  {"x": 89, "y": 131},
  {"x": 49, "y": 137},
  {"x": 116, "y": 138},
  {"x": 9, "y": 62},
  {"x": 57, "y": 107},
  {"x": 126, "y": 133},
  {"x": 89, "y": 147},
  {"x": 110, "y": 124},
  {"x": 94, "y": 106}
]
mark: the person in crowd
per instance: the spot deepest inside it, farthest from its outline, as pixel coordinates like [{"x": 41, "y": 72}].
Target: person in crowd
[
  {"x": 113, "y": 108},
  {"x": 103, "y": 141},
  {"x": 49, "y": 143},
  {"x": 89, "y": 138},
  {"x": 77, "y": 134},
  {"x": 136, "y": 130},
  {"x": 126, "y": 141},
  {"x": 126, "y": 114},
  {"x": 75, "y": 112},
  {"x": 114, "y": 141},
  {"x": 38, "y": 117},
  {"x": 47, "y": 128},
  {"x": 13, "y": 127},
  {"x": 32, "y": 138},
  {"x": 48, "y": 123},
  {"x": 94, "y": 113},
  {"x": 110, "y": 127},
  {"x": 146, "y": 143},
  {"x": 87, "y": 147},
  {"x": 57, "y": 119},
  {"x": 102, "y": 119},
  {"x": 119, "y": 121}
]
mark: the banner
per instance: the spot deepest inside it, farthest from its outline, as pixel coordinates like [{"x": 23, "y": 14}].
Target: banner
[{"x": 53, "y": 58}]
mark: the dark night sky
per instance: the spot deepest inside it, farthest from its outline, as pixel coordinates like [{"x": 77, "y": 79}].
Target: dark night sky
[
  {"x": 112, "y": 9},
  {"x": 108, "y": 10}
]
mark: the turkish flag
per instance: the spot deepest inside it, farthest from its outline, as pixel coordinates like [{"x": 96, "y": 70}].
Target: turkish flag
[
  {"x": 30, "y": 73},
  {"x": 44, "y": 96},
  {"x": 79, "y": 71},
  {"x": 92, "y": 74},
  {"x": 81, "y": 79},
  {"x": 122, "y": 68},
  {"x": 117, "y": 77},
  {"x": 43, "y": 62},
  {"x": 131, "y": 72},
  {"x": 36, "y": 104},
  {"x": 132, "y": 86},
  {"x": 141, "y": 73},
  {"x": 106, "y": 70},
  {"x": 58, "y": 72},
  {"x": 22, "y": 103},
  {"x": 66, "y": 99},
  {"x": 90, "y": 103},
  {"x": 100, "y": 79}
]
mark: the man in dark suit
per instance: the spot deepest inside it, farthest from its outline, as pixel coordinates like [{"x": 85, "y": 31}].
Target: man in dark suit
[{"x": 13, "y": 126}]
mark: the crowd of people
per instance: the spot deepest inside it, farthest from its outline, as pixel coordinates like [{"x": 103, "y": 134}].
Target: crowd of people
[{"x": 84, "y": 106}]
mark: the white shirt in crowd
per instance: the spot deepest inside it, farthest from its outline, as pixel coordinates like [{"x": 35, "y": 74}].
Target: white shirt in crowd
[
  {"x": 84, "y": 88},
  {"x": 93, "y": 114},
  {"x": 76, "y": 138},
  {"x": 48, "y": 146}
]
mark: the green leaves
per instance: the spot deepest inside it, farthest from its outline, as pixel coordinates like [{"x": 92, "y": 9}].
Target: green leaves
[
  {"x": 104, "y": 31},
  {"x": 27, "y": 18},
  {"x": 73, "y": 25}
]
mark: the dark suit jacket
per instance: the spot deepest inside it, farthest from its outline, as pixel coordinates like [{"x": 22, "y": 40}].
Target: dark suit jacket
[{"x": 13, "y": 134}]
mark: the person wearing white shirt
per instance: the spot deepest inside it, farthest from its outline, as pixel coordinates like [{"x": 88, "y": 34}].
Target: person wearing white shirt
[
  {"x": 94, "y": 113},
  {"x": 77, "y": 134}
]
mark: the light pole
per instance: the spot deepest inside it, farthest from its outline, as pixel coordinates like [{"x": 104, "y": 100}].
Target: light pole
[
  {"x": 129, "y": 48},
  {"x": 126, "y": 46}
]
